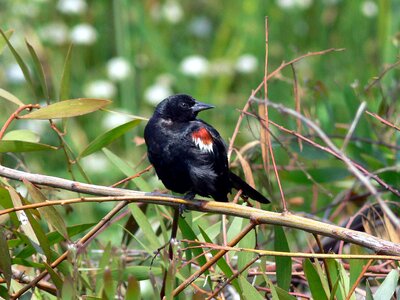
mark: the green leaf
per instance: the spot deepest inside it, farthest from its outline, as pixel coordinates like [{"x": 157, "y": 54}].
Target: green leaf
[
  {"x": 65, "y": 78},
  {"x": 145, "y": 226},
  {"x": 25, "y": 218},
  {"x": 140, "y": 272},
  {"x": 3, "y": 43},
  {"x": 109, "y": 287},
  {"x": 6, "y": 202},
  {"x": 57, "y": 280},
  {"x": 368, "y": 291},
  {"x": 10, "y": 97},
  {"x": 53, "y": 238},
  {"x": 21, "y": 63},
  {"x": 222, "y": 264},
  {"x": 314, "y": 281},
  {"x": 249, "y": 291},
  {"x": 5, "y": 261},
  {"x": 68, "y": 291},
  {"x": 188, "y": 233},
  {"x": 49, "y": 213},
  {"x": 21, "y": 146},
  {"x": 127, "y": 170},
  {"x": 356, "y": 265},
  {"x": 248, "y": 241},
  {"x": 133, "y": 289},
  {"x": 284, "y": 295},
  {"x": 67, "y": 109},
  {"x": 283, "y": 264},
  {"x": 321, "y": 175},
  {"x": 388, "y": 286},
  {"x": 103, "y": 264},
  {"x": 21, "y": 135},
  {"x": 108, "y": 137},
  {"x": 39, "y": 70}
]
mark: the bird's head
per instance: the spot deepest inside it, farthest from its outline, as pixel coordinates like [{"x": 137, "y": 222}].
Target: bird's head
[{"x": 180, "y": 108}]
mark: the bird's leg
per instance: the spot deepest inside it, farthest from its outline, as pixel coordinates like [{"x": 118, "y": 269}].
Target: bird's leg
[{"x": 188, "y": 196}]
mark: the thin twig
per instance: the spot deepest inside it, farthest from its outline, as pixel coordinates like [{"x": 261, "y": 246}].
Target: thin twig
[
  {"x": 380, "y": 76},
  {"x": 15, "y": 116},
  {"x": 292, "y": 254},
  {"x": 353, "y": 125},
  {"x": 392, "y": 217},
  {"x": 234, "y": 276},
  {"x": 330, "y": 151},
  {"x": 359, "y": 278},
  {"x": 148, "y": 168},
  {"x": 212, "y": 261},
  {"x": 382, "y": 120},
  {"x": 79, "y": 244}
]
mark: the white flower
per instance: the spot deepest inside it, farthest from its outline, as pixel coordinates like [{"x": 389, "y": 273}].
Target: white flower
[
  {"x": 100, "y": 89},
  {"x": 369, "y": 9},
  {"x": 195, "y": 66},
  {"x": 72, "y": 7},
  {"x": 118, "y": 68},
  {"x": 14, "y": 74},
  {"x": 114, "y": 119},
  {"x": 286, "y": 4},
  {"x": 83, "y": 34},
  {"x": 246, "y": 63},
  {"x": 95, "y": 163},
  {"x": 157, "y": 92},
  {"x": 304, "y": 4},
  {"x": 55, "y": 33},
  {"x": 289, "y": 4},
  {"x": 172, "y": 11},
  {"x": 200, "y": 27}
]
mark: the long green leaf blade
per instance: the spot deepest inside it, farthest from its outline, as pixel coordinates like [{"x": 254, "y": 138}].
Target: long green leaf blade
[
  {"x": 39, "y": 70},
  {"x": 22, "y": 146},
  {"x": 21, "y": 63},
  {"x": 67, "y": 109},
  {"x": 49, "y": 213},
  {"x": 10, "y": 97},
  {"x": 283, "y": 264},
  {"x": 108, "y": 137}
]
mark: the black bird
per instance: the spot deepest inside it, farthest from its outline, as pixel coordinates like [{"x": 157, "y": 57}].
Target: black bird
[{"x": 188, "y": 154}]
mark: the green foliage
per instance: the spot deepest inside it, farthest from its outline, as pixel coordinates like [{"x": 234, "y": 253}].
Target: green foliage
[{"x": 92, "y": 144}]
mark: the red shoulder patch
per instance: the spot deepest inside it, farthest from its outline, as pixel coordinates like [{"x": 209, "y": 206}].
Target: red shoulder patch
[
  {"x": 203, "y": 140},
  {"x": 203, "y": 135}
]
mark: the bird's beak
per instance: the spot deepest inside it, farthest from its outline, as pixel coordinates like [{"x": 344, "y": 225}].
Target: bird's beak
[{"x": 199, "y": 106}]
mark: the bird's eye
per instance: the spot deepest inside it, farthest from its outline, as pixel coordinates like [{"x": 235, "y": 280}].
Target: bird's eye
[{"x": 184, "y": 105}]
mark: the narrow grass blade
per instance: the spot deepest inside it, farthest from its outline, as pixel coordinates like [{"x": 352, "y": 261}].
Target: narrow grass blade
[
  {"x": 5, "y": 261},
  {"x": 314, "y": 281},
  {"x": 39, "y": 70},
  {"x": 108, "y": 137},
  {"x": 21, "y": 63},
  {"x": 388, "y": 286},
  {"x": 10, "y": 97},
  {"x": 49, "y": 213},
  {"x": 65, "y": 78},
  {"x": 283, "y": 264}
]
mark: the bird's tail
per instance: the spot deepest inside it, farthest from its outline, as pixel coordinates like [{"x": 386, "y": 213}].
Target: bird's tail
[{"x": 247, "y": 190}]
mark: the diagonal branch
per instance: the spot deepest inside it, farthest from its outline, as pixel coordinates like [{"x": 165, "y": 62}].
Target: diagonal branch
[{"x": 255, "y": 215}]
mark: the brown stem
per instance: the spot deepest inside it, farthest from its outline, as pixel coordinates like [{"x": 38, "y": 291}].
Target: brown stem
[
  {"x": 15, "y": 116},
  {"x": 212, "y": 261}
]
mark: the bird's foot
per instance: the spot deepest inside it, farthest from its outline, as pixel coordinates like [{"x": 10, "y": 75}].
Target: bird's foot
[{"x": 182, "y": 207}]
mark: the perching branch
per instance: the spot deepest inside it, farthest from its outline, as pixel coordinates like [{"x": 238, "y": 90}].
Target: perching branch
[{"x": 255, "y": 215}]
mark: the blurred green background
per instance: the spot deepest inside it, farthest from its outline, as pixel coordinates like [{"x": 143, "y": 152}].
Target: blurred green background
[{"x": 138, "y": 52}]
